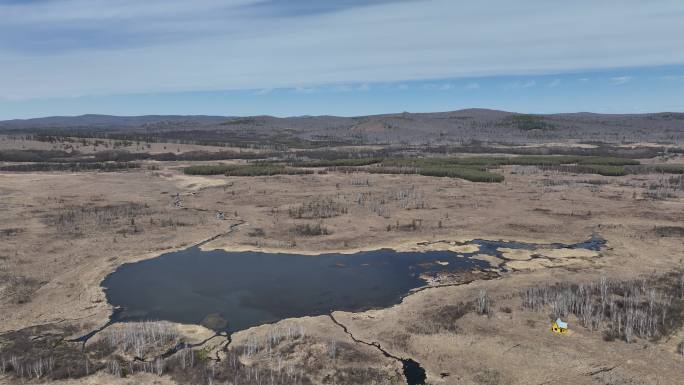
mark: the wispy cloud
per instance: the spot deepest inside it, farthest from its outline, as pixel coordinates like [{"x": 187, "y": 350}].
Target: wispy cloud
[
  {"x": 554, "y": 83},
  {"x": 472, "y": 86},
  {"x": 521, "y": 84},
  {"x": 619, "y": 80},
  {"x": 57, "y": 48},
  {"x": 672, "y": 77},
  {"x": 438, "y": 86},
  {"x": 364, "y": 87},
  {"x": 305, "y": 90}
]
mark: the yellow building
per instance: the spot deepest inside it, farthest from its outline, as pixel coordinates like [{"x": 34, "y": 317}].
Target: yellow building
[{"x": 559, "y": 327}]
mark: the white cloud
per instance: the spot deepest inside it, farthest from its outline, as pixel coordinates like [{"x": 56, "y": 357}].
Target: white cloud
[
  {"x": 342, "y": 88},
  {"x": 521, "y": 84},
  {"x": 215, "y": 45},
  {"x": 554, "y": 83},
  {"x": 618, "y": 80},
  {"x": 472, "y": 86},
  {"x": 364, "y": 87},
  {"x": 305, "y": 90}
]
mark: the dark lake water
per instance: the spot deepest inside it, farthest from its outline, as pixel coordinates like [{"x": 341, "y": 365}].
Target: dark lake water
[
  {"x": 251, "y": 288},
  {"x": 231, "y": 291}
]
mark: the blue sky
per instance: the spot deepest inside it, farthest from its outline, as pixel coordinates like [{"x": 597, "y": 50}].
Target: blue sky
[{"x": 341, "y": 57}]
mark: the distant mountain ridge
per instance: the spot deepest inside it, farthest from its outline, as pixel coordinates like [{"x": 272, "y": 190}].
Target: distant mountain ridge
[
  {"x": 405, "y": 127},
  {"x": 96, "y": 120}
]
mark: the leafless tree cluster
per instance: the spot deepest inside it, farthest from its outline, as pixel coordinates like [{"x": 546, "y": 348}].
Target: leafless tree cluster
[
  {"x": 525, "y": 170},
  {"x": 40, "y": 352},
  {"x": 12, "y": 231},
  {"x": 414, "y": 225},
  {"x": 666, "y": 187},
  {"x": 646, "y": 308},
  {"x": 34, "y": 368},
  {"x": 309, "y": 230},
  {"x": 332, "y": 349},
  {"x": 410, "y": 198},
  {"x": 114, "y": 368},
  {"x": 669, "y": 231},
  {"x": 375, "y": 205},
  {"x": 268, "y": 365},
  {"x": 359, "y": 182},
  {"x": 77, "y": 219},
  {"x": 272, "y": 372},
  {"x": 483, "y": 303},
  {"x": 18, "y": 289},
  {"x": 137, "y": 338},
  {"x": 157, "y": 366},
  {"x": 318, "y": 209},
  {"x": 273, "y": 338},
  {"x": 407, "y": 198}
]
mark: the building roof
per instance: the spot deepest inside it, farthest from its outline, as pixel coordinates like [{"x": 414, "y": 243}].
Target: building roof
[{"x": 561, "y": 324}]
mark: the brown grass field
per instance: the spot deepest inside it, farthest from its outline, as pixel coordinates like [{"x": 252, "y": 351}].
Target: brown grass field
[{"x": 61, "y": 233}]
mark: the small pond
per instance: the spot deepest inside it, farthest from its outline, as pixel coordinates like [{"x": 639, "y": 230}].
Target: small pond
[
  {"x": 232, "y": 291},
  {"x": 251, "y": 288}
]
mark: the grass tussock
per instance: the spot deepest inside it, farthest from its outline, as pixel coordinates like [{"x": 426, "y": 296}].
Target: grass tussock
[{"x": 17, "y": 289}]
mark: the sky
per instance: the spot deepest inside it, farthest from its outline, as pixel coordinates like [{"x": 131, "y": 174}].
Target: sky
[{"x": 338, "y": 57}]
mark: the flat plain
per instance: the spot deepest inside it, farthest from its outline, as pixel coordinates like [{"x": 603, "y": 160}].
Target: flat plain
[{"x": 66, "y": 226}]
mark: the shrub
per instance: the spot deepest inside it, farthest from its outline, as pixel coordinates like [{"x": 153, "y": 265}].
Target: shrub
[
  {"x": 318, "y": 208},
  {"x": 309, "y": 230},
  {"x": 483, "y": 303}
]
